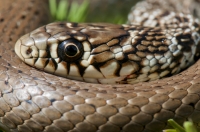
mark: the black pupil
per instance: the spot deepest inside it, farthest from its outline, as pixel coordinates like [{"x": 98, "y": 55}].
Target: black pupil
[{"x": 71, "y": 50}]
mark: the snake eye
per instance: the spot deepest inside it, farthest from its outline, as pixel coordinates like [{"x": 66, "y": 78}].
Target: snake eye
[{"x": 70, "y": 50}]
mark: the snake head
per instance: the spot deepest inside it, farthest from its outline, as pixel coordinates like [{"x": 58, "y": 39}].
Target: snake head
[
  {"x": 86, "y": 52},
  {"x": 107, "y": 53}
]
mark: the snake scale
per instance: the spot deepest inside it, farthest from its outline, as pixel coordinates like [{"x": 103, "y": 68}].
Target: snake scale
[{"x": 34, "y": 101}]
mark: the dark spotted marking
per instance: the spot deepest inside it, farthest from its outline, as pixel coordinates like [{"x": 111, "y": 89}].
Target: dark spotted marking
[
  {"x": 52, "y": 100},
  {"x": 6, "y": 82},
  {"x": 35, "y": 78},
  {"x": 19, "y": 71},
  {"x": 29, "y": 101}
]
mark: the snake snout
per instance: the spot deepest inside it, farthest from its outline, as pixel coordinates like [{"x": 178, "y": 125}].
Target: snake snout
[
  {"x": 28, "y": 51},
  {"x": 17, "y": 49}
]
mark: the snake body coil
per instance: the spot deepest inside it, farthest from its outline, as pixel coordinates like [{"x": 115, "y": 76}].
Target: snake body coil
[{"x": 32, "y": 100}]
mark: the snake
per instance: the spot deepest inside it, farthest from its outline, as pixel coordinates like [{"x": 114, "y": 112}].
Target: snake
[{"x": 79, "y": 58}]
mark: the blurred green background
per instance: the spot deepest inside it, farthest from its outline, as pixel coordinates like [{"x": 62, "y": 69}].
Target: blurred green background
[{"x": 111, "y": 11}]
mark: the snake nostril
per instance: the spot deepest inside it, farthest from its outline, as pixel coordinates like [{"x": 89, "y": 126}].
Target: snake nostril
[{"x": 29, "y": 51}]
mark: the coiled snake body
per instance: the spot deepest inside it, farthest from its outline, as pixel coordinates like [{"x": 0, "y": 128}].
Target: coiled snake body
[{"x": 31, "y": 100}]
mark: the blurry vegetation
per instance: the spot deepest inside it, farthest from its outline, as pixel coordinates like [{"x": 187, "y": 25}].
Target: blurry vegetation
[
  {"x": 110, "y": 11},
  {"x": 64, "y": 10},
  {"x": 188, "y": 126}
]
